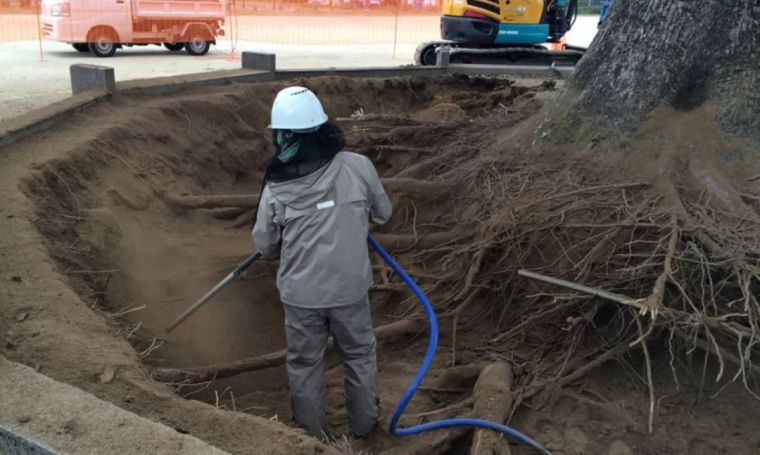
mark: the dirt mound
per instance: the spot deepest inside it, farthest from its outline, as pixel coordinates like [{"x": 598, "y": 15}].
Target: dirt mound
[{"x": 149, "y": 209}]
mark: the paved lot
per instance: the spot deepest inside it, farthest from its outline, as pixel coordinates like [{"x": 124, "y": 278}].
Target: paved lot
[{"x": 28, "y": 82}]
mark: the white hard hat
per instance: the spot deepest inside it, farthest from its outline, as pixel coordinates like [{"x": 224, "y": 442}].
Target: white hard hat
[{"x": 297, "y": 108}]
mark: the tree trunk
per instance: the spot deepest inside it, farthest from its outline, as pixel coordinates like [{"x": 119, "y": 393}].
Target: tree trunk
[{"x": 676, "y": 53}]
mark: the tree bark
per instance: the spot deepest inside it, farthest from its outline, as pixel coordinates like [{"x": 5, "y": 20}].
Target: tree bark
[{"x": 675, "y": 53}]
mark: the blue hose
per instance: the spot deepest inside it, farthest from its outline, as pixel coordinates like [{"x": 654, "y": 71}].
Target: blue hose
[{"x": 448, "y": 423}]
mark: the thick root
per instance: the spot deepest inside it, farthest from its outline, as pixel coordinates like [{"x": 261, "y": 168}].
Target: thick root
[
  {"x": 459, "y": 377},
  {"x": 244, "y": 219},
  {"x": 436, "y": 442},
  {"x": 396, "y": 242},
  {"x": 226, "y": 213},
  {"x": 244, "y": 201},
  {"x": 408, "y": 186},
  {"x": 388, "y": 332},
  {"x": 493, "y": 401}
]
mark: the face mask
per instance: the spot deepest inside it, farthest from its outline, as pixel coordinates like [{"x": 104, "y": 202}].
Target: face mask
[{"x": 288, "y": 143}]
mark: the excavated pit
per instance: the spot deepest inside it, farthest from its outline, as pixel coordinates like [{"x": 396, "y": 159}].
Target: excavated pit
[
  {"x": 108, "y": 211},
  {"x": 114, "y": 196}
]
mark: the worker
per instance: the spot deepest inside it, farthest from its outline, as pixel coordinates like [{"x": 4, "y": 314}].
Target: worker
[{"x": 314, "y": 215}]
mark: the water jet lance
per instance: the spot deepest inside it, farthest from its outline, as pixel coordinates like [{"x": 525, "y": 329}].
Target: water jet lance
[{"x": 214, "y": 291}]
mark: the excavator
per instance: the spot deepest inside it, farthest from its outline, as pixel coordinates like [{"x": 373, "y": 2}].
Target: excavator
[{"x": 507, "y": 32}]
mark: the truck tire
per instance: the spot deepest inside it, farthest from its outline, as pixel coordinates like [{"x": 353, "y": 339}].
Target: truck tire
[
  {"x": 81, "y": 47},
  {"x": 174, "y": 47},
  {"x": 102, "y": 42},
  {"x": 197, "y": 42}
]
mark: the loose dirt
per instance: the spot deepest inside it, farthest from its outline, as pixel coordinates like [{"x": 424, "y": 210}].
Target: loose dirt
[{"x": 92, "y": 208}]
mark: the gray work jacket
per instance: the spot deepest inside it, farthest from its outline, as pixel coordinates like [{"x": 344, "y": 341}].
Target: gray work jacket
[{"x": 317, "y": 225}]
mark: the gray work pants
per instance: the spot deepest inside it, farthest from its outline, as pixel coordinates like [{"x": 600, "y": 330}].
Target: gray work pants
[{"x": 307, "y": 331}]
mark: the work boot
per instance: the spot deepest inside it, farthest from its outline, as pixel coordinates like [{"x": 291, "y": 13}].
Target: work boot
[{"x": 380, "y": 418}]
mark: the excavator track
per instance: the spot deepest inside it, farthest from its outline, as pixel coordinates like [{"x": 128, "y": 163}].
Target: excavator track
[{"x": 508, "y": 55}]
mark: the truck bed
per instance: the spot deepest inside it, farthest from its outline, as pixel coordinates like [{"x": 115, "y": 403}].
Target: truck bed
[{"x": 178, "y": 9}]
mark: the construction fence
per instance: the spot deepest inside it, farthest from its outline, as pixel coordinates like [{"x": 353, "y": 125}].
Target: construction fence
[{"x": 276, "y": 22}]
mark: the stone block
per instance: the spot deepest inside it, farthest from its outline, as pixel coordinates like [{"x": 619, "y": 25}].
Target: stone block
[
  {"x": 89, "y": 77},
  {"x": 259, "y": 61}
]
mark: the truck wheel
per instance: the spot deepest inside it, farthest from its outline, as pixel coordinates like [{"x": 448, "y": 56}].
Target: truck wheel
[
  {"x": 197, "y": 44},
  {"x": 101, "y": 43},
  {"x": 174, "y": 47},
  {"x": 81, "y": 47}
]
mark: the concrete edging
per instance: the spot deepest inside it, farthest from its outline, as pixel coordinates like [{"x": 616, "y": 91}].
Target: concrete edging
[
  {"x": 42, "y": 416},
  {"x": 42, "y": 119},
  {"x": 12, "y": 443}
]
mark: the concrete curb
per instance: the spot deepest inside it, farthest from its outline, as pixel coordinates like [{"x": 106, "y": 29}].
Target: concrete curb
[
  {"x": 12, "y": 443},
  {"x": 173, "y": 84},
  {"x": 42, "y": 119},
  {"x": 51, "y": 417}
]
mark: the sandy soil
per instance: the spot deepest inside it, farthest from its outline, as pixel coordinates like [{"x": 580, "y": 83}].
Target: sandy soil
[{"x": 97, "y": 260}]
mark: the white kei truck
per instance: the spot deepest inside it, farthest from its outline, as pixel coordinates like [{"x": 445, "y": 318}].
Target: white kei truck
[{"x": 102, "y": 26}]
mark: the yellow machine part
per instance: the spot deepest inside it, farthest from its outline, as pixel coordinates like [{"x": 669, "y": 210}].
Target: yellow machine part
[
  {"x": 454, "y": 7},
  {"x": 522, "y": 11},
  {"x": 512, "y": 11}
]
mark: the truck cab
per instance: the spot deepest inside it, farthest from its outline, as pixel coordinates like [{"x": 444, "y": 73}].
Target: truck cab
[{"x": 102, "y": 26}]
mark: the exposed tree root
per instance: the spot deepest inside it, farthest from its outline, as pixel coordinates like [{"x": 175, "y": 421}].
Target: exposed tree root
[
  {"x": 227, "y": 206},
  {"x": 388, "y": 332},
  {"x": 419, "y": 189},
  {"x": 466, "y": 403},
  {"x": 578, "y": 373},
  {"x": 244, "y": 219},
  {"x": 723, "y": 354},
  {"x": 493, "y": 401},
  {"x": 396, "y": 242},
  {"x": 397, "y": 149},
  {"x": 653, "y": 303},
  {"x": 459, "y": 377},
  {"x": 244, "y": 201},
  {"x": 429, "y": 443},
  {"x": 420, "y": 168},
  {"x": 226, "y": 213}
]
